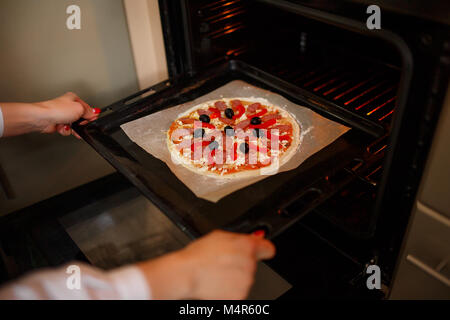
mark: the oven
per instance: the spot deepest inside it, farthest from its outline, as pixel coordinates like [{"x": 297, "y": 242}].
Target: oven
[
  {"x": 387, "y": 85},
  {"x": 355, "y": 195}
]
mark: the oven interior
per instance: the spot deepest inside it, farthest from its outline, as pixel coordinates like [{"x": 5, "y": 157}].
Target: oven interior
[{"x": 356, "y": 74}]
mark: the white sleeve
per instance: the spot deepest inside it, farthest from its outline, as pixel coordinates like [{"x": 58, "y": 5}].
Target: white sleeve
[
  {"x": 2, "y": 123},
  {"x": 79, "y": 281}
]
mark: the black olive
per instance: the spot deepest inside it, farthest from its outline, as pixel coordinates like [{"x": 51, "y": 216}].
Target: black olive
[
  {"x": 229, "y": 131},
  {"x": 258, "y": 133},
  {"x": 213, "y": 145},
  {"x": 244, "y": 147},
  {"x": 255, "y": 120},
  {"x": 229, "y": 113},
  {"x": 199, "y": 133},
  {"x": 204, "y": 118}
]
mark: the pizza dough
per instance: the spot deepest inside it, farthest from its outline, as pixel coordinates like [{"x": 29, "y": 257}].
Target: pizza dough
[{"x": 233, "y": 138}]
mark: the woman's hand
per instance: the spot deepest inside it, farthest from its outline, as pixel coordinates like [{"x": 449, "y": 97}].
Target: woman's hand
[
  {"x": 50, "y": 116},
  {"x": 63, "y": 111},
  {"x": 220, "y": 265}
]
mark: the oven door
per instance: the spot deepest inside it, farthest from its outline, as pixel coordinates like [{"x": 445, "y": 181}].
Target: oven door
[{"x": 272, "y": 204}]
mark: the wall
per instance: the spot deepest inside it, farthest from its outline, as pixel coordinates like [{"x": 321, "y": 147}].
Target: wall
[
  {"x": 40, "y": 59},
  {"x": 144, "y": 26}
]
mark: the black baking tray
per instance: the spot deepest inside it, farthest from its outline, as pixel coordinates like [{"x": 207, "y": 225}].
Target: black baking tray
[{"x": 272, "y": 204}]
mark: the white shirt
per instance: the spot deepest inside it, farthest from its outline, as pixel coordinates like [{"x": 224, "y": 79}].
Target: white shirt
[
  {"x": 127, "y": 283},
  {"x": 85, "y": 283},
  {"x": 2, "y": 124}
]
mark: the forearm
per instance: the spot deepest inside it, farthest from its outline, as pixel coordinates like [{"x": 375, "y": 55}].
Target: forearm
[
  {"x": 165, "y": 278},
  {"x": 170, "y": 277},
  {"x": 55, "y": 115},
  {"x": 20, "y": 118}
]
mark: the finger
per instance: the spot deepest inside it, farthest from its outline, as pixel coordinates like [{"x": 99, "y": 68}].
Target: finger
[
  {"x": 259, "y": 233},
  {"x": 89, "y": 113},
  {"x": 264, "y": 249},
  {"x": 76, "y": 135},
  {"x": 64, "y": 129},
  {"x": 82, "y": 123}
]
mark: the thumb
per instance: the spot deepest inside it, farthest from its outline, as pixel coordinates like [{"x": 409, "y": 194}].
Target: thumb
[
  {"x": 265, "y": 249},
  {"x": 89, "y": 113}
]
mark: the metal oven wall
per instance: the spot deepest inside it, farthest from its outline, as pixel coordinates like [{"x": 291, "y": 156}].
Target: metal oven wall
[{"x": 425, "y": 254}]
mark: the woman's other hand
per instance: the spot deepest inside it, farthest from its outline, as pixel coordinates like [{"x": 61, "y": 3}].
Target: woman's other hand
[
  {"x": 61, "y": 112},
  {"x": 50, "y": 116}
]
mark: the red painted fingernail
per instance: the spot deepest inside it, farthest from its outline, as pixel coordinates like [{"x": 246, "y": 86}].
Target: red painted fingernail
[
  {"x": 67, "y": 127},
  {"x": 96, "y": 110},
  {"x": 259, "y": 233}
]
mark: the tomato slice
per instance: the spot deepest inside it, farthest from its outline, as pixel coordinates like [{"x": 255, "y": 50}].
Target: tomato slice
[
  {"x": 208, "y": 125},
  {"x": 211, "y": 157},
  {"x": 240, "y": 112},
  {"x": 215, "y": 113},
  {"x": 264, "y": 125},
  {"x": 259, "y": 114}
]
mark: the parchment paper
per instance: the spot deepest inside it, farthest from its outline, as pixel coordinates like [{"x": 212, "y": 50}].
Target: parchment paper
[{"x": 150, "y": 132}]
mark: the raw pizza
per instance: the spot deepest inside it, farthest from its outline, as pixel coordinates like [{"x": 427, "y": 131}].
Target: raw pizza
[{"x": 233, "y": 138}]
